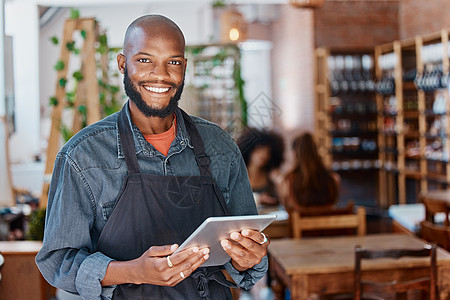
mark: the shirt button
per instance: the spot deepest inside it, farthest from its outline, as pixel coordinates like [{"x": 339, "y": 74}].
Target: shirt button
[{"x": 182, "y": 143}]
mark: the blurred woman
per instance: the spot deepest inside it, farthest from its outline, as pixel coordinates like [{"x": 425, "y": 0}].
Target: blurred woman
[
  {"x": 263, "y": 153},
  {"x": 309, "y": 182}
]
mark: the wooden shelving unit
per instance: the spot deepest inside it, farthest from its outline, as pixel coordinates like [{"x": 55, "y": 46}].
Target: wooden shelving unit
[
  {"x": 412, "y": 127},
  {"x": 346, "y": 120},
  {"x": 413, "y": 111}
]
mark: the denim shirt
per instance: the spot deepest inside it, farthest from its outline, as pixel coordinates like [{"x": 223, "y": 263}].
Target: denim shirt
[{"x": 88, "y": 174}]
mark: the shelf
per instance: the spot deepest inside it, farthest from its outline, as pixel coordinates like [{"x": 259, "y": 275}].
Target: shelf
[
  {"x": 352, "y": 133},
  {"x": 435, "y": 137},
  {"x": 354, "y": 115},
  {"x": 413, "y": 175},
  {"x": 358, "y": 153},
  {"x": 412, "y": 135},
  {"x": 437, "y": 178},
  {"x": 409, "y": 85},
  {"x": 411, "y": 114},
  {"x": 431, "y": 114}
]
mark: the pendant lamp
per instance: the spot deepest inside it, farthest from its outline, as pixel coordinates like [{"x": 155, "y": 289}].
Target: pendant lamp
[{"x": 232, "y": 26}]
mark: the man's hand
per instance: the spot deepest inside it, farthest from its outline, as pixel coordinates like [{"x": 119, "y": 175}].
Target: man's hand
[
  {"x": 246, "y": 248},
  {"x": 158, "y": 266}
]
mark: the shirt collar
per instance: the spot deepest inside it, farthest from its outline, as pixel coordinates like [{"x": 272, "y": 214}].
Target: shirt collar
[{"x": 141, "y": 145}]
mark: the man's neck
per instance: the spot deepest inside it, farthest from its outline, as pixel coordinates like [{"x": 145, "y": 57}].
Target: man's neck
[{"x": 149, "y": 125}]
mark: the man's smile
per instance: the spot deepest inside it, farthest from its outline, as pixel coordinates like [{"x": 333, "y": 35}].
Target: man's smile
[{"x": 158, "y": 90}]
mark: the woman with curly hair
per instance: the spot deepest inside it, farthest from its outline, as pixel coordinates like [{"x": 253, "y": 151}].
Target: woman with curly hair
[
  {"x": 309, "y": 182},
  {"x": 263, "y": 153}
]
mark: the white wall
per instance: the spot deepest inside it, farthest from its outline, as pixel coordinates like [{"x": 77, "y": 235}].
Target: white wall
[
  {"x": 256, "y": 73},
  {"x": 21, "y": 23}
]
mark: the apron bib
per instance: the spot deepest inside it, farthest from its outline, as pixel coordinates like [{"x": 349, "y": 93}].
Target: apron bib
[{"x": 156, "y": 210}]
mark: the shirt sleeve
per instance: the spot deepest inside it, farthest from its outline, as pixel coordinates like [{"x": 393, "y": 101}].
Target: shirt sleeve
[
  {"x": 68, "y": 259},
  {"x": 242, "y": 203}
]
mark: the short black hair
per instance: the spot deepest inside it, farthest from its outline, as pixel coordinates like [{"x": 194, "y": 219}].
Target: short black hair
[{"x": 252, "y": 138}]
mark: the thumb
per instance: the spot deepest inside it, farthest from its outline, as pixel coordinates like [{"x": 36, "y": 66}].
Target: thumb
[{"x": 162, "y": 250}]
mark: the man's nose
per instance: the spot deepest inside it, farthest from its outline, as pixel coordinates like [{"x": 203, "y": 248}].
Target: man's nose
[{"x": 159, "y": 70}]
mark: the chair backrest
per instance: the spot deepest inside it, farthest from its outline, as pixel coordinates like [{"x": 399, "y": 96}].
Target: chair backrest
[
  {"x": 313, "y": 219},
  {"x": 432, "y": 207},
  {"x": 426, "y": 283},
  {"x": 434, "y": 233}
]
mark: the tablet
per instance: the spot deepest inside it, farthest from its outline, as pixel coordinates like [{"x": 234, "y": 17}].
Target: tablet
[{"x": 214, "y": 229}]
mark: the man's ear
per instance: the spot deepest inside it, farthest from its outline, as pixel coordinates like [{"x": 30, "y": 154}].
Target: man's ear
[{"x": 121, "y": 61}]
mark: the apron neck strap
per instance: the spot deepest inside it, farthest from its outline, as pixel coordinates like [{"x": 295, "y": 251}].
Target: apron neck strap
[
  {"x": 127, "y": 142},
  {"x": 126, "y": 138},
  {"x": 202, "y": 159}
]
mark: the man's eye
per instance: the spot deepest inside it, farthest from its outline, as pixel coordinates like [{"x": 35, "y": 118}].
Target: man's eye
[
  {"x": 144, "y": 60},
  {"x": 175, "y": 62}
]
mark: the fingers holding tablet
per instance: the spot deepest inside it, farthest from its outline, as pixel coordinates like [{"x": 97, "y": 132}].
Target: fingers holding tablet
[
  {"x": 181, "y": 264},
  {"x": 246, "y": 248}
]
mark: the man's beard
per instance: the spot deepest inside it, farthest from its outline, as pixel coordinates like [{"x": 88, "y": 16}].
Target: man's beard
[{"x": 147, "y": 110}]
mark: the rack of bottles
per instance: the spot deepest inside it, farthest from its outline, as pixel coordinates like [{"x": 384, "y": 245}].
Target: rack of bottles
[
  {"x": 348, "y": 108},
  {"x": 346, "y": 122},
  {"x": 413, "y": 109}
]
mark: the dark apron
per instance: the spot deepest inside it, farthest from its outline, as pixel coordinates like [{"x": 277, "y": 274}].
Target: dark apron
[{"x": 156, "y": 210}]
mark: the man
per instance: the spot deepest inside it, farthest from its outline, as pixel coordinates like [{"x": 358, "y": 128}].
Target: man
[{"x": 129, "y": 189}]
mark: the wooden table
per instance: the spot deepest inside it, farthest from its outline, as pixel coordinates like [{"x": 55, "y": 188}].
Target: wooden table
[
  {"x": 21, "y": 278},
  {"x": 320, "y": 266}
]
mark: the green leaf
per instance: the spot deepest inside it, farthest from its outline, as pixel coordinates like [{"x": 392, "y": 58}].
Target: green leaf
[
  {"x": 219, "y": 3},
  {"x": 70, "y": 46},
  {"x": 66, "y": 133},
  {"x": 62, "y": 82},
  {"x": 103, "y": 40},
  {"x": 82, "y": 109},
  {"x": 113, "y": 89},
  {"x": 77, "y": 75},
  {"x": 54, "y": 40},
  {"x": 70, "y": 98},
  {"x": 102, "y": 49},
  {"x": 59, "y": 65},
  {"x": 53, "y": 101},
  {"x": 83, "y": 34},
  {"x": 74, "y": 13}
]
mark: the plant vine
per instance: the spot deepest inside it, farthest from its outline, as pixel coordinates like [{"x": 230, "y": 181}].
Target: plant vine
[{"x": 109, "y": 98}]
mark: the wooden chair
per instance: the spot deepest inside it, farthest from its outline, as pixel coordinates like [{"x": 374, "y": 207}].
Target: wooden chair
[
  {"x": 327, "y": 220},
  {"x": 434, "y": 233},
  {"x": 433, "y": 207},
  {"x": 377, "y": 289}
]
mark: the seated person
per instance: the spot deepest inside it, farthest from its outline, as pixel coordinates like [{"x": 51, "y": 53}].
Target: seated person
[
  {"x": 263, "y": 154},
  {"x": 309, "y": 182}
]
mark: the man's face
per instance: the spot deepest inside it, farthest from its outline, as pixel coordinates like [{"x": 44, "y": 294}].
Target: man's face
[
  {"x": 153, "y": 65},
  {"x": 148, "y": 110}
]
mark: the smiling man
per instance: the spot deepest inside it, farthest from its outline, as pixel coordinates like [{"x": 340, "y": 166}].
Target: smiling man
[{"x": 127, "y": 190}]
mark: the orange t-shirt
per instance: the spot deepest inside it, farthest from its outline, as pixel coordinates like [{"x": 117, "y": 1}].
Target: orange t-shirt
[{"x": 162, "y": 141}]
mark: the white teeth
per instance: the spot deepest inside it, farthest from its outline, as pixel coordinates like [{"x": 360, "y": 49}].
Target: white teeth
[{"x": 156, "y": 90}]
